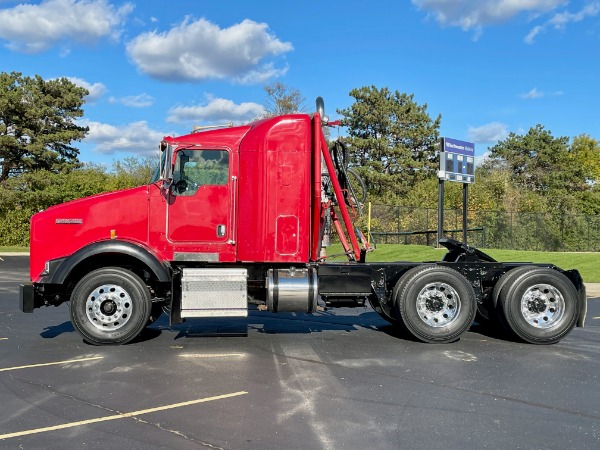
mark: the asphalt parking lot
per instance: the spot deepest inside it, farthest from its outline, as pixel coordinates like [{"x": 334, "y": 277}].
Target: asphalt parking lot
[{"x": 337, "y": 379}]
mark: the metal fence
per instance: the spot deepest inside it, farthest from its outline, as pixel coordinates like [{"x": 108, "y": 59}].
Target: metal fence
[{"x": 487, "y": 229}]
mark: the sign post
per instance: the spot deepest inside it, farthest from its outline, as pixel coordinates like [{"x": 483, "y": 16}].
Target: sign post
[{"x": 457, "y": 163}]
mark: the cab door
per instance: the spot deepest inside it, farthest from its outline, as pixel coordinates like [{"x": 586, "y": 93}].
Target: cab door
[{"x": 201, "y": 206}]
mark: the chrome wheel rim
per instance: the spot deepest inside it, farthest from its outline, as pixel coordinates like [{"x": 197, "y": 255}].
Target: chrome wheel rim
[
  {"x": 109, "y": 307},
  {"x": 438, "y": 304},
  {"x": 542, "y": 306}
]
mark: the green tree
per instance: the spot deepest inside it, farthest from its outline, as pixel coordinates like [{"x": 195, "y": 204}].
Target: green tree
[
  {"x": 538, "y": 161},
  {"x": 24, "y": 194},
  {"x": 549, "y": 174},
  {"x": 392, "y": 141},
  {"x": 282, "y": 99},
  {"x": 133, "y": 171},
  {"x": 37, "y": 123},
  {"x": 585, "y": 154}
]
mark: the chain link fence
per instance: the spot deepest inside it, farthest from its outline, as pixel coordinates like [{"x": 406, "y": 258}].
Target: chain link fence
[{"x": 487, "y": 229}]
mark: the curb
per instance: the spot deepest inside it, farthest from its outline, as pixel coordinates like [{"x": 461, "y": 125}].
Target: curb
[{"x": 592, "y": 289}]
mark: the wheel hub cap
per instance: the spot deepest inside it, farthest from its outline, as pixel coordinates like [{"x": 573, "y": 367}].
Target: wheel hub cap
[
  {"x": 438, "y": 304},
  {"x": 542, "y": 306},
  {"x": 434, "y": 304},
  {"x": 109, "y": 307}
]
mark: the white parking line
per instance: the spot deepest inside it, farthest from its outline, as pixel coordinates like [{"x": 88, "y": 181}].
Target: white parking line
[
  {"x": 212, "y": 355},
  {"x": 119, "y": 416},
  {"x": 56, "y": 363}
]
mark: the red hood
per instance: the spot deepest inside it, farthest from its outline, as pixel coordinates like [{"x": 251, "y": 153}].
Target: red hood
[{"x": 62, "y": 229}]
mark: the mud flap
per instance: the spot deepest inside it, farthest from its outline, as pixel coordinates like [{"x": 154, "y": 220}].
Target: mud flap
[
  {"x": 577, "y": 281},
  {"x": 26, "y": 298},
  {"x": 175, "y": 316},
  {"x": 582, "y": 305}
]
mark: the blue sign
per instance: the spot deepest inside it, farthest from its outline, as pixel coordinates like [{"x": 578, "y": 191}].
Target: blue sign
[{"x": 457, "y": 161}]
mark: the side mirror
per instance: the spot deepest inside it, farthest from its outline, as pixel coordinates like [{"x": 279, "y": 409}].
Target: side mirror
[{"x": 166, "y": 165}]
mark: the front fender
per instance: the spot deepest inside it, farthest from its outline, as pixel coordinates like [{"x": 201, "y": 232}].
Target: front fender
[{"x": 61, "y": 268}]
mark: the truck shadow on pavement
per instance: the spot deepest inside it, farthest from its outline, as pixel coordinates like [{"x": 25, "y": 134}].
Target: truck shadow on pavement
[
  {"x": 52, "y": 332},
  {"x": 281, "y": 323}
]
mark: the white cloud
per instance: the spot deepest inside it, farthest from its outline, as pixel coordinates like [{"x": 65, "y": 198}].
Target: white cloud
[
  {"x": 469, "y": 14},
  {"x": 134, "y": 101},
  {"x": 530, "y": 38},
  {"x": 33, "y": 28},
  {"x": 490, "y": 132},
  {"x": 135, "y": 137},
  {"x": 559, "y": 21},
  {"x": 479, "y": 160},
  {"x": 217, "y": 110},
  {"x": 96, "y": 90},
  {"x": 475, "y": 14},
  {"x": 261, "y": 75},
  {"x": 200, "y": 50},
  {"x": 536, "y": 93}
]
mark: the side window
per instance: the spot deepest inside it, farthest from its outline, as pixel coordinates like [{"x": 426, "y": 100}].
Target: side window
[{"x": 195, "y": 168}]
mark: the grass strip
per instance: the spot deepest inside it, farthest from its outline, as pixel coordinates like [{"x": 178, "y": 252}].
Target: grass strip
[{"x": 588, "y": 264}]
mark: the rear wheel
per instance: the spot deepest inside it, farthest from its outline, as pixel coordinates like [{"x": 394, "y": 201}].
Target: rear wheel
[
  {"x": 110, "y": 306},
  {"x": 435, "y": 303},
  {"x": 538, "y": 305},
  {"x": 487, "y": 313}
]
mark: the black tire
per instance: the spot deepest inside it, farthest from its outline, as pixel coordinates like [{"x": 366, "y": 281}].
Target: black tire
[
  {"x": 488, "y": 312},
  {"x": 507, "y": 279},
  {"x": 110, "y": 306},
  {"x": 399, "y": 286},
  {"x": 395, "y": 294},
  {"x": 538, "y": 305},
  {"x": 435, "y": 304}
]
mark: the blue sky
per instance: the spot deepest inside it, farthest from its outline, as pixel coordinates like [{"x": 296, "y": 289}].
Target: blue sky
[{"x": 156, "y": 68}]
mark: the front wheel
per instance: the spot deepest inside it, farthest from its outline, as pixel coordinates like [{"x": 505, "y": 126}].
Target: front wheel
[
  {"x": 435, "y": 303},
  {"x": 110, "y": 306}
]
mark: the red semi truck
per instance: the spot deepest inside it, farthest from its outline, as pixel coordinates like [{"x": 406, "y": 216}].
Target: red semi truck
[{"x": 236, "y": 217}]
